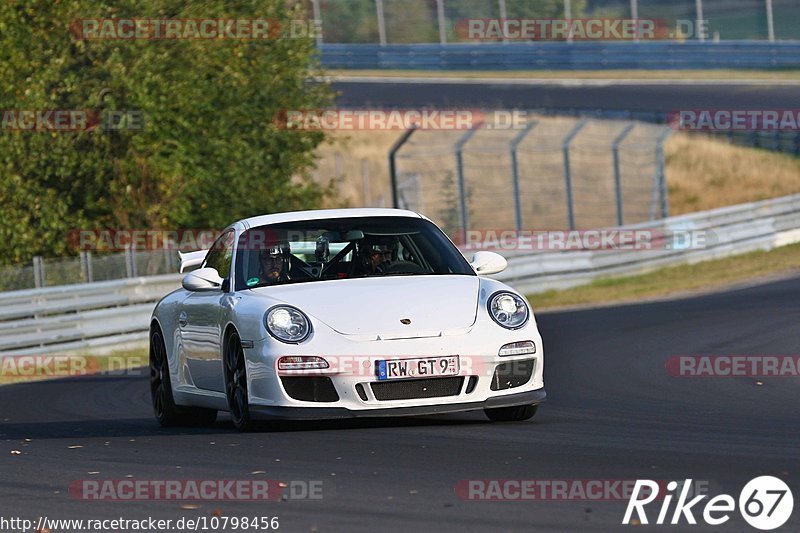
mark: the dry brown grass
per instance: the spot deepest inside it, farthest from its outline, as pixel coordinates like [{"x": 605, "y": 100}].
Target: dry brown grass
[
  {"x": 702, "y": 172},
  {"x": 343, "y": 162},
  {"x": 681, "y": 279}
]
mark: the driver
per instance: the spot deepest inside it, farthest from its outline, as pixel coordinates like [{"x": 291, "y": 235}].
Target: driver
[
  {"x": 378, "y": 253},
  {"x": 274, "y": 261}
]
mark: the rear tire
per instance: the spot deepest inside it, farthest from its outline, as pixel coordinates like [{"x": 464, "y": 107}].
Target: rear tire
[
  {"x": 236, "y": 384},
  {"x": 516, "y": 413},
  {"x": 166, "y": 412}
]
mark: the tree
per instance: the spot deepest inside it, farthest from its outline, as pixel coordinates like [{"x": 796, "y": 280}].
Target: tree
[{"x": 209, "y": 151}]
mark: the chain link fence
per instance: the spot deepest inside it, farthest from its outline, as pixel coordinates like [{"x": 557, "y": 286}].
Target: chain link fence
[
  {"x": 556, "y": 173},
  {"x": 438, "y": 21},
  {"x": 88, "y": 268}
]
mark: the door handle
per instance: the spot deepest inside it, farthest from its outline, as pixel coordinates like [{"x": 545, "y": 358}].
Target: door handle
[{"x": 183, "y": 319}]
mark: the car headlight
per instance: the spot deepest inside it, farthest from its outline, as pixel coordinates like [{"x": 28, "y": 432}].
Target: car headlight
[
  {"x": 508, "y": 310},
  {"x": 287, "y": 324}
]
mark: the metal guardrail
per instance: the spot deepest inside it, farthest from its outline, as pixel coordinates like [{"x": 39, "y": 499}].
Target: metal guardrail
[
  {"x": 111, "y": 314},
  {"x": 564, "y": 56},
  {"x": 729, "y": 230},
  {"x": 70, "y": 318}
]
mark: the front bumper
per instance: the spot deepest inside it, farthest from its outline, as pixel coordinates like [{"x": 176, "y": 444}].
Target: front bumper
[
  {"x": 350, "y": 388},
  {"x": 325, "y": 413}
]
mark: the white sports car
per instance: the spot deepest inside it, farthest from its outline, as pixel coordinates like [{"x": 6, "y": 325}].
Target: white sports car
[{"x": 337, "y": 314}]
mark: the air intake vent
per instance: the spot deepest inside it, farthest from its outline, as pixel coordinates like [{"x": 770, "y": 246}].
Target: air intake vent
[
  {"x": 512, "y": 374},
  {"x": 361, "y": 392},
  {"x": 417, "y": 388},
  {"x": 310, "y": 389}
]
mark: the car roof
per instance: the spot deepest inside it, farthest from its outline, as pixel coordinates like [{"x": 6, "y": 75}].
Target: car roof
[{"x": 318, "y": 214}]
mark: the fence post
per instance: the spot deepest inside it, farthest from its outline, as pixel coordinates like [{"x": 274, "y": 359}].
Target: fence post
[
  {"x": 337, "y": 166},
  {"x": 568, "y": 171},
  {"x": 462, "y": 189},
  {"x": 86, "y": 266},
  {"x": 381, "y": 22},
  {"x": 442, "y": 24},
  {"x": 663, "y": 174},
  {"x": 699, "y": 8},
  {"x": 393, "y": 162},
  {"x": 365, "y": 182},
  {"x": 317, "y": 20},
  {"x": 515, "y": 171},
  {"x": 170, "y": 252},
  {"x": 503, "y": 15},
  {"x": 38, "y": 271},
  {"x": 770, "y": 22},
  {"x": 660, "y": 179},
  {"x": 617, "y": 175},
  {"x": 568, "y": 17},
  {"x": 130, "y": 261}
]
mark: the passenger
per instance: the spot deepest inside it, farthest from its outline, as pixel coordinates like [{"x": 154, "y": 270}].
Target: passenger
[{"x": 378, "y": 253}]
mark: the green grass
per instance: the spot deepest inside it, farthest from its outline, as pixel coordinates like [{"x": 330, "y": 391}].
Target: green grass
[{"x": 669, "y": 281}]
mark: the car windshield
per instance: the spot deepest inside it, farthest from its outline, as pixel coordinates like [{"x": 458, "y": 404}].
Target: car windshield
[{"x": 341, "y": 248}]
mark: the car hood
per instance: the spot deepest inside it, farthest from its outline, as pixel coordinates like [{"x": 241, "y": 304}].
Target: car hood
[{"x": 374, "y": 307}]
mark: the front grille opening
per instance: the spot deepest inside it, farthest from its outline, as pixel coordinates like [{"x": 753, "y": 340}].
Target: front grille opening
[
  {"x": 512, "y": 374},
  {"x": 417, "y": 388},
  {"x": 310, "y": 388},
  {"x": 473, "y": 382},
  {"x": 361, "y": 392}
]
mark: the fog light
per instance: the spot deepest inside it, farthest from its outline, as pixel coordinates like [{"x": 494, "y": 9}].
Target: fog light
[
  {"x": 302, "y": 362},
  {"x": 517, "y": 348}
]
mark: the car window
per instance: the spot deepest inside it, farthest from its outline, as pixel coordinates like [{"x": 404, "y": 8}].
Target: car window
[
  {"x": 220, "y": 256},
  {"x": 320, "y": 250}
]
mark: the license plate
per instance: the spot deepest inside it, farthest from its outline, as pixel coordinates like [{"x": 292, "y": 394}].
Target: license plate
[{"x": 422, "y": 367}]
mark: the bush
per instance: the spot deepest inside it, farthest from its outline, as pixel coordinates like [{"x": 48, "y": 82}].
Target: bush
[{"x": 208, "y": 152}]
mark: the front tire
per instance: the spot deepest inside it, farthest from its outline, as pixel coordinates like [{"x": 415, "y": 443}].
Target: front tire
[
  {"x": 166, "y": 412},
  {"x": 236, "y": 384},
  {"x": 516, "y": 413}
]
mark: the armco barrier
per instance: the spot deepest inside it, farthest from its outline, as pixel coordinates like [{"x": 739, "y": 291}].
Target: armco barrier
[
  {"x": 730, "y": 230},
  {"x": 89, "y": 316},
  {"x": 564, "y": 56},
  {"x": 105, "y": 315}
]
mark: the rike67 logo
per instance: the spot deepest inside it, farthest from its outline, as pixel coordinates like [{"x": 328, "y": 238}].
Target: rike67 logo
[{"x": 765, "y": 503}]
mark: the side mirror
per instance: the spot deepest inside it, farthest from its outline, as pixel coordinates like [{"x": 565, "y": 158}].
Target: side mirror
[
  {"x": 486, "y": 263},
  {"x": 204, "y": 279},
  {"x": 190, "y": 259}
]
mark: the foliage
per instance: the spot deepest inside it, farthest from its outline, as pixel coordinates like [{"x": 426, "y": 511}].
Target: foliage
[{"x": 209, "y": 151}]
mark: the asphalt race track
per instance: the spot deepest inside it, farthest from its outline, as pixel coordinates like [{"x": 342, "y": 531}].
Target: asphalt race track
[
  {"x": 613, "y": 413},
  {"x": 645, "y": 97}
]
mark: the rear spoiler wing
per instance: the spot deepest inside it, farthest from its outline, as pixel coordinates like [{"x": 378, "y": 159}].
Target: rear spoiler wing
[{"x": 190, "y": 259}]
